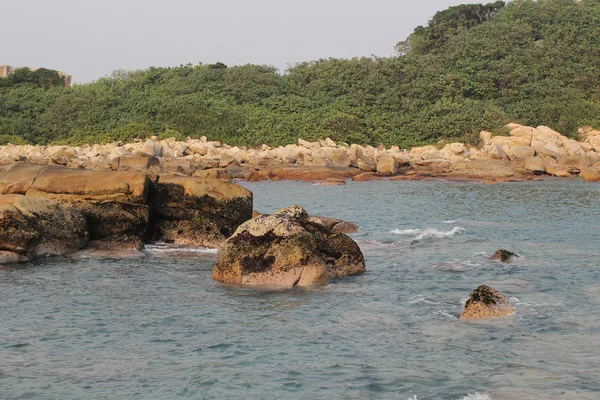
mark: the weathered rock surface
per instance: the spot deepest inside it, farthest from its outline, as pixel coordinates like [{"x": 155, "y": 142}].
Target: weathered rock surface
[
  {"x": 503, "y": 255},
  {"x": 526, "y": 151},
  {"x": 286, "y": 249},
  {"x": 199, "y": 212},
  {"x": 485, "y": 303},
  {"x": 32, "y": 227}
]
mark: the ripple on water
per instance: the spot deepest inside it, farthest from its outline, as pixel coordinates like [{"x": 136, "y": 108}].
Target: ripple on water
[{"x": 156, "y": 326}]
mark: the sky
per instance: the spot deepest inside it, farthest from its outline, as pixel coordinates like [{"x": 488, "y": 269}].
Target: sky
[{"x": 89, "y": 39}]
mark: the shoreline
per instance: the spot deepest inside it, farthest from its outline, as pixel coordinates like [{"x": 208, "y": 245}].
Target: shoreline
[{"x": 527, "y": 154}]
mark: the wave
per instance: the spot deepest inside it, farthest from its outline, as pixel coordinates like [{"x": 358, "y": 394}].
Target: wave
[
  {"x": 452, "y": 221},
  {"x": 171, "y": 248},
  {"x": 469, "y": 396},
  {"x": 476, "y": 396},
  {"x": 428, "y": 232}
]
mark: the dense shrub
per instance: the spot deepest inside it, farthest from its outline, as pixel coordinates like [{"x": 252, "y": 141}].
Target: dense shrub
[{"x": 472, "y": 67}]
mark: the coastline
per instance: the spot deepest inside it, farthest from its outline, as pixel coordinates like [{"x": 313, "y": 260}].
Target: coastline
[{"x": 527, "y": 154}]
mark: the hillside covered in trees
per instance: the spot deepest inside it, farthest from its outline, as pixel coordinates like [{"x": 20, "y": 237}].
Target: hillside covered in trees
[{"x": 472, "y": 67}]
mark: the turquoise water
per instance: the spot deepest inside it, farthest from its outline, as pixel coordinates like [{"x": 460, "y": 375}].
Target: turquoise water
[{"x": 157, "y": 327}]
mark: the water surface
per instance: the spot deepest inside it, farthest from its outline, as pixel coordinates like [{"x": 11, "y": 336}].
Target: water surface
[{"x": 157, "y": 327}]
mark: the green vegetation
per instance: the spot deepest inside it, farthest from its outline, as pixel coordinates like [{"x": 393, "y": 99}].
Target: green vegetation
[{"x": 473, "y": 67}]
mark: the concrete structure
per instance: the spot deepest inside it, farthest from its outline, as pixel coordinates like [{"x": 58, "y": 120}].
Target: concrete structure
[{"x": 6, "y": 70}]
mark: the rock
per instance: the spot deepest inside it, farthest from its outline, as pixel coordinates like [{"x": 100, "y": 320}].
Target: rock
[
  {"x": 152, "y": 148},
  {"x": 332, "y": 182},
  {"x": 197, "y": 212},
  {"x": 366, "y": 163},
  {"x": 486, "y": 137},
  {"x": 367, "y": 176},
  {"x": 309, "y": 145},
  {"x": 113, "y": 203},
  {"x": 31, "y": 227},
  {"x": 286, "y": 249},
  {"x": 590, "y": 175},
  {"x": 18, "y": 178},
  {"x": 387, "y": 165},
  {"x": 338, "y": 226},
  {"x": 503, "y": 255},
  {"x": 517, "y": 153},
  {"x": 485, "y": 303},
  {"x": 341, "y": 158},
  {"x": 495, "y": 152},
  {"x": 560, "y": 170},
  {"x": 535, "y": 165},
  {"x": 136, "y": 162},
  {"x": 305, "y": 173}
]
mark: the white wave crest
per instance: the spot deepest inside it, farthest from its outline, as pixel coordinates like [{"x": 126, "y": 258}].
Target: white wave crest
[
  {"x": 170, "y": 248},
  {"x": 452, "y": 221},
  {"x": 406, "y": 231},
  {"x": 476, "y": 396},
  {"x": 428, "y": 232}
]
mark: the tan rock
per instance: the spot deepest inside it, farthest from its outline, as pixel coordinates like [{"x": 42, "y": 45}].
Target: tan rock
[
  {"x": 486, "y": 137},
  {"x": 286, "y": 249},
  {"x": 535, "y": 165},
  {"x": 197, "y": 212},
  {"x": 341, "y": 158},
  {"x": 387, "y": 165},
  {"x": 485, "y": 303},
  {"x": 516, "y": 153},
  {"x": 305, "y": 173},
  {"x": 32, "y": 227},
  {"x": 366, "y": 163},
  {"x": 367, "y": 176},
  {"x": 495, "y": 152},
  {"x": 590, "y": 175},
  {"x": 560, "y": 170},
  {"x": 308, "y": 145}
]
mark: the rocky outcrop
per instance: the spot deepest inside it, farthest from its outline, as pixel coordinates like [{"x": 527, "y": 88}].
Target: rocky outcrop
[
  {"x": 31, "y": 227},
  {"x": 199, "y": 212},
  {"x": 286, "y": 249},
  {"x": 485, "y": 303},
  {"x": 120, "y": 209},
  {"x": 503, "y": 255}
]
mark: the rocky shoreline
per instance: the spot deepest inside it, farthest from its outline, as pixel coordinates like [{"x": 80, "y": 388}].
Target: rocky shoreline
[{"x": 525, "y": 154}]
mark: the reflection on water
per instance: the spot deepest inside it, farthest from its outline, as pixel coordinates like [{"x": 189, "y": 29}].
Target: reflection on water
[{"x": 156, "y": 326}]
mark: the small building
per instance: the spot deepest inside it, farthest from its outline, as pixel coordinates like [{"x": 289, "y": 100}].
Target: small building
[{"x": 6, "y": 70}]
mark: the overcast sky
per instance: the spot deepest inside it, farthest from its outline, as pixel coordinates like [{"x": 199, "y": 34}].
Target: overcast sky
[{"x": 89, "y": 39}]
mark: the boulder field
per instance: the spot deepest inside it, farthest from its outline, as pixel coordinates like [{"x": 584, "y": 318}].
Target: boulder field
[{"x": 525, "y": 153}]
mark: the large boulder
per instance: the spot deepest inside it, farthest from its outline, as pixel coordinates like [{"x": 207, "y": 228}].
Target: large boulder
[
  {"x": 114, "y": 203},
  {"x": 197, "y": 212},
  {"x": 32, "y": 227},
  {"x": 485, "y": 303},
  {"x": 286, "y": 249},
  {"x": 590, "y": 175}
]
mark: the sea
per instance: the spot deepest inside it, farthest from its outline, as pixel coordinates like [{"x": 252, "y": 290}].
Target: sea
[{"x": 155, "y": 325}]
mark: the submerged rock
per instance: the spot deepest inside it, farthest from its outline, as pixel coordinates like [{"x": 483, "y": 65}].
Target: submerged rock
[
  {"x": 286, "y": 249},
  {"x": 485, "y": 303},
  {"x": 503, "y": 255}
]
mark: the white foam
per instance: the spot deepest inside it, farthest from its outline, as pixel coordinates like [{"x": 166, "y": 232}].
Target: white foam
[
  {"x": 452, "y": 221},
  {"x": 476, "y": 396},
  {"x": 170, "y": 248},
  {"x": 428, "y": 232},
  {"x": 406, "y": 231}
]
